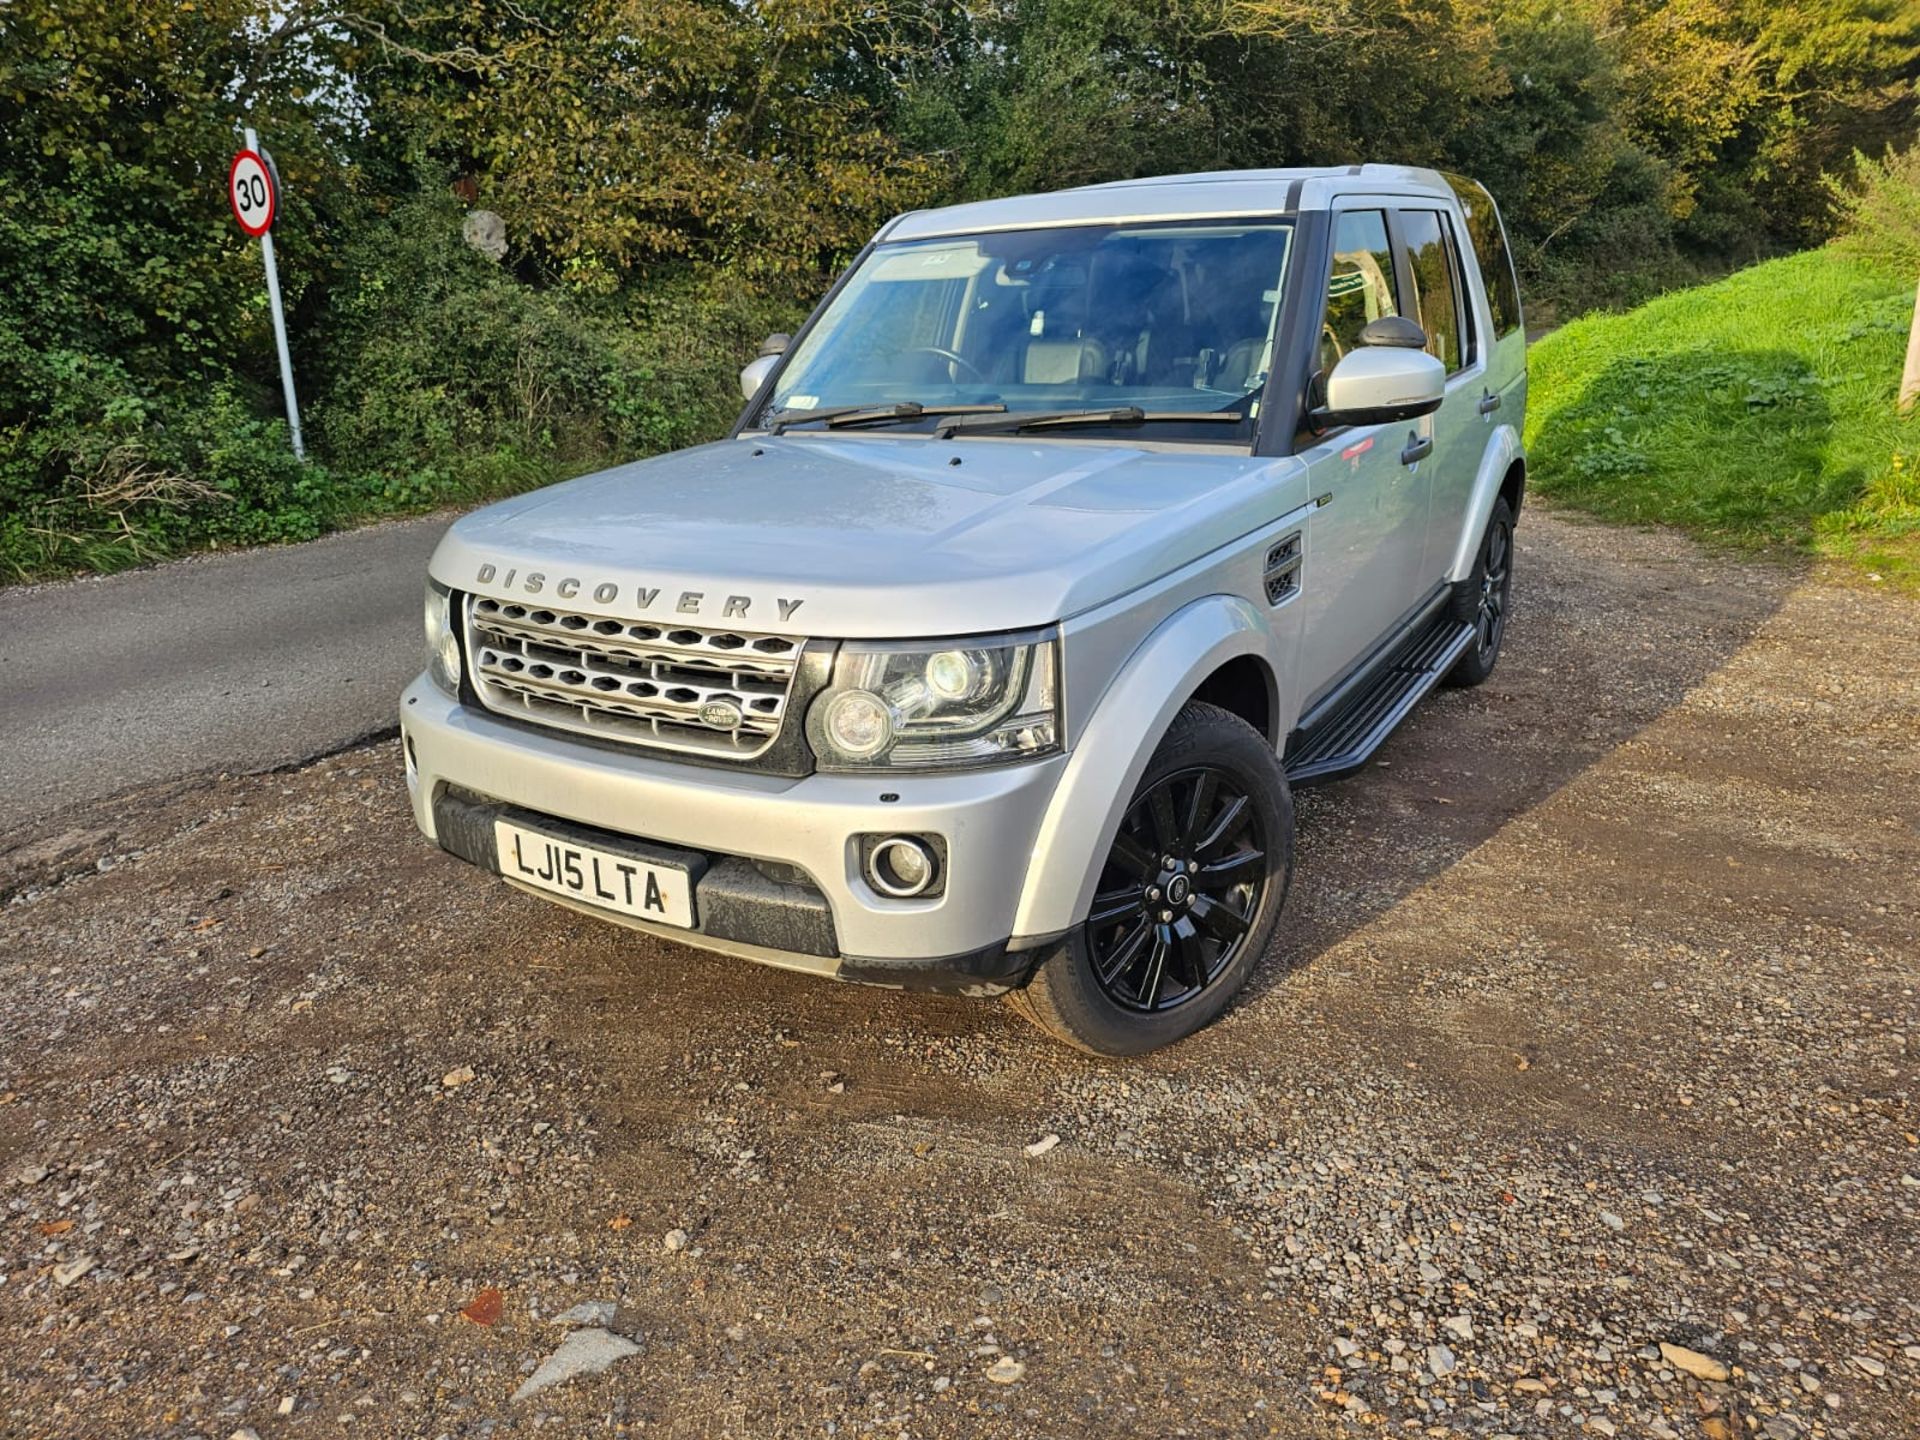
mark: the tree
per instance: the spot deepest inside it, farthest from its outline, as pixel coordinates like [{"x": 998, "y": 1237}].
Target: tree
[{"x": 615, "y": 133}]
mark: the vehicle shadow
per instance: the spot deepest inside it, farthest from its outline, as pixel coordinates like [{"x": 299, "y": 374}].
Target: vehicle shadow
[
  {"x": 1722, "y": 441},
  {"x": 1610, "y": 629}
]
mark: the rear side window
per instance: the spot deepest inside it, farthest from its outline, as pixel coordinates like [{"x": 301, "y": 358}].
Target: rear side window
[
  {"x": 1361, "y": 287},
  {"x": 1490, "y": 247},
  {"x": 1438, "y": 305}
]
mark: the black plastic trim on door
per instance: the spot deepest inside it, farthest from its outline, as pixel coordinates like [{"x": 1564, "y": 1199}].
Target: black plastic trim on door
[{"x": 1283, "y": 405}]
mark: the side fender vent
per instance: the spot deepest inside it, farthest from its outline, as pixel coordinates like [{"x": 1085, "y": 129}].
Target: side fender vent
[{"x": 1283, "y": 570}]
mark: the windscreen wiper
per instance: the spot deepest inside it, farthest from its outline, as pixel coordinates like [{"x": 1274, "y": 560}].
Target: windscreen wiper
[
  {"x": 1066, "y": 419},
  {"x": 907, "y": 410},
  {"x": 780, "y": 419},
  {"x": 837, "y": 417}
]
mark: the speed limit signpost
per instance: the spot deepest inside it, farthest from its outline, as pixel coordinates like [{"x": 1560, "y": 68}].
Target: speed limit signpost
[{"x": 254, "y": 192}]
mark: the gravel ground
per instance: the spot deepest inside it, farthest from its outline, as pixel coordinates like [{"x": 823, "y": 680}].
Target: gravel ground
[{"x": 1578, "y": 1096}]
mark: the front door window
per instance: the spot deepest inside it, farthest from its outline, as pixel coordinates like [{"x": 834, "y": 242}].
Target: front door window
[
  {"x": 1361, "y": 287},
  {"x": 1437, "y": 302}
]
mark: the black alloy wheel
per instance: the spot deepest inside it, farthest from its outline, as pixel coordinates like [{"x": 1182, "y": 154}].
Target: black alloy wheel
[
  {"x": 1485, "y": 598},
  {"x": 1496, "y": 577},
  {"x": 1179, "y": 891},
  {"x": 1185, "y": 900}
]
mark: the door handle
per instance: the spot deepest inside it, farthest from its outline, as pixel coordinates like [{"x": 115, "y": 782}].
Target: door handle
[
  {"x": 1489, "y": 402},
  {"x": 1418, "y": 448}
]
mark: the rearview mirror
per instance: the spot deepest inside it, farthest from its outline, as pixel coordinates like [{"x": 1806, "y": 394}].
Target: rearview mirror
[
  {"x": 754, "y": 374},
  {"x": 1376, "y": 385}
]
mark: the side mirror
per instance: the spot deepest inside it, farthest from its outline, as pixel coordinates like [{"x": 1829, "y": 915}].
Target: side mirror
[
  {"x": 753, "y": 375},
  {"x": 1373, "y": 386},
  {"x": 1393, "y": 332}
]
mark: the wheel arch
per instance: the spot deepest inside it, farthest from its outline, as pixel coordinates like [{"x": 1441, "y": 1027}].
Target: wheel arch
[
  {"x": 1244, "y": 686},
  {"x": 1513, "y": 485},
  {"x": 1220, "y": 641}
]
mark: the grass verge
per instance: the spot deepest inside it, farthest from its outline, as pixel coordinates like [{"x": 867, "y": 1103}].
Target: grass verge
[{"x": 1758, "y": 410}]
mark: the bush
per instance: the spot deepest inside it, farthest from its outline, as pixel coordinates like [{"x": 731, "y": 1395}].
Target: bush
[
  {"x": 675, "y": 191},
  {"x": 442, "y": 372},
  {"x": 1880, "y": 211},
  {"x": 433, "y": 356},
  {"x": 433, "y": 376},
  {"x": 113, "y": 474}
]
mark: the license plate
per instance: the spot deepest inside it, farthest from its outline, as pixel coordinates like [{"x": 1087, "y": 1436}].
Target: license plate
[{"x": 604, "y": 878}]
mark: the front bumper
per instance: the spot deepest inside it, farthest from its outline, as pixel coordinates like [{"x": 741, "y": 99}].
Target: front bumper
[{"x": 465, "y": 767}]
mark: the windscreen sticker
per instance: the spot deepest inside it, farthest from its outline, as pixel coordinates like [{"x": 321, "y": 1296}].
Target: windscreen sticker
[{"x": 943, "y": 262}]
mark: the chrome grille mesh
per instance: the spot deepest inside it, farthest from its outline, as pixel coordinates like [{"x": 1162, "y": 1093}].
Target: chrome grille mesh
[{"x": 647, "y": 682}]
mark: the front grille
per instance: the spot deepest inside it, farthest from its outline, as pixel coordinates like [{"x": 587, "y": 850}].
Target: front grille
[{"x": 679, "y": 687}]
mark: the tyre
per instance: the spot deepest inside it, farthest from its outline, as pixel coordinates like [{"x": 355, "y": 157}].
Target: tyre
[
  {"x": 1187, "y": 897},
  {"x": 1482, "y": 599}
]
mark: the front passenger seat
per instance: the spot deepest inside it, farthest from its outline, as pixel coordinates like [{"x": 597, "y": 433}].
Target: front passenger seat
[
  {"x": 1069, "y": 361},
  {"x": 1237, "y": 368}
]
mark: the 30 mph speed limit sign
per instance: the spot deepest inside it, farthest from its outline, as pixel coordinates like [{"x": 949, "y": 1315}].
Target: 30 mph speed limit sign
[
  {"x": 250, "y": 188},
  {"x": 255, "y": 197}
]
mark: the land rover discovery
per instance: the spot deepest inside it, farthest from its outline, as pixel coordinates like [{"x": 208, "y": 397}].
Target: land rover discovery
[{"x": 1066, "y": 536}]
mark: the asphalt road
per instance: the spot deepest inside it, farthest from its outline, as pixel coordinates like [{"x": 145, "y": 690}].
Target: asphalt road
[{"x": 235, "y": 662}]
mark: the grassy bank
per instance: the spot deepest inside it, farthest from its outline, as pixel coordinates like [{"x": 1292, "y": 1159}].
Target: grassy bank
[{"x": 1758, "y": 410}]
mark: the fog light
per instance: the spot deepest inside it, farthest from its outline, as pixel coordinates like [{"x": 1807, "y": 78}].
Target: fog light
[{"x": 901, "y": 866}]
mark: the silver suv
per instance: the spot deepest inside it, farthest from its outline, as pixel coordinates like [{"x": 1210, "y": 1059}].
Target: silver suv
[{"x": 1069, "y": 532}]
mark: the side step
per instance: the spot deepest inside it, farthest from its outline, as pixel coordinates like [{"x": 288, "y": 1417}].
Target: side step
[{"x": 1345, "y": 739}]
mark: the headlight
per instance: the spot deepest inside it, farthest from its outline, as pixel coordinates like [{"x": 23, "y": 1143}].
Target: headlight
[
  {"x": 924, "y": 706},
  {"x": 443, "y": 646},
  {"x": 856, "y": 724}
]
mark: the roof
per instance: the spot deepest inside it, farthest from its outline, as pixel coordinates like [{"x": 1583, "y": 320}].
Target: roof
[{"x": 1206, "y": 195}]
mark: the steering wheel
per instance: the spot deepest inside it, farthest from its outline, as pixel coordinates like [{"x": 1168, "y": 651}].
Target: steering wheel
[{"x": 952, "y": 357}]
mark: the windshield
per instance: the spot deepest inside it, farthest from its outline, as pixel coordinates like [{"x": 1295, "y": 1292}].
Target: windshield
[{"x": 1173, "y": 319}]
